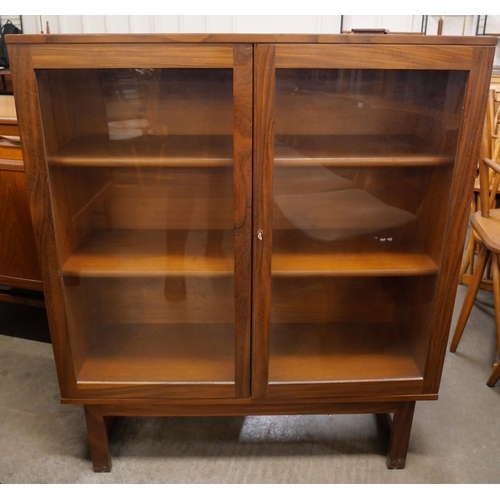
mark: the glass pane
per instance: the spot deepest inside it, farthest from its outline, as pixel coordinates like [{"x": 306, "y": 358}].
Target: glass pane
[
  {"x": 362, "y": 174},
  {"x": 141, "y": 174}
]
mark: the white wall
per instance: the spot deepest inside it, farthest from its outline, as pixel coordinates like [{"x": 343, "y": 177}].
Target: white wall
[
  {"x": 391, "y": 23},
  {"x": 184, "y": 24},
  {"x": 453, "y": 25}
]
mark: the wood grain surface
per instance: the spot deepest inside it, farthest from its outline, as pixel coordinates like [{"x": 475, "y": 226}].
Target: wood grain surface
[
  {"x": 251, "y": 38},
  {"x": 135, "y": 56},
  {"x": 263, "y": 157},
  {"x": 18, "y": 255},
  {"x": 30, "y": 124},
  {"x": 370, "y": 56}
]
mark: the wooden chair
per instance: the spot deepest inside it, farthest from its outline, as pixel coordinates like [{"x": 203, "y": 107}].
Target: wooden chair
[
  {"x": 491, "y": 133},
  {"x": 485, "y": 229}
]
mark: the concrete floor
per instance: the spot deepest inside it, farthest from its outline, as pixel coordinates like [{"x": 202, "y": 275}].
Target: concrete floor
[{"x": 454, "y": 440}]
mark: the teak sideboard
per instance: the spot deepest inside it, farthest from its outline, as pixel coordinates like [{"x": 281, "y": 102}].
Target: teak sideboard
[
  {"x": 19, "y": 270},
  {"x": 250, "y": 224}
]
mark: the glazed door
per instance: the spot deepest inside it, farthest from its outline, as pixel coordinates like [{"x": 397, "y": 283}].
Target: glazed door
[
  {"x": 355, "y": 152},
  {"x": 149, "y": 162}
]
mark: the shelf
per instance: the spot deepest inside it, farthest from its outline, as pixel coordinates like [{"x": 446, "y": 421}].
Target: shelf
[
  {"x": 146, "y": 253},
  {"x": 160, "y": 352},
  {"x": 356, "y": 151},
  {"x": 117, "y": 253},
  {"x": 339, "y": 352},
  {"x": 217, "y": 151},
  {"x": 298, "y": 254},
  {"x": 147, "y": 151},
  {"x": 354, "y": 264}
]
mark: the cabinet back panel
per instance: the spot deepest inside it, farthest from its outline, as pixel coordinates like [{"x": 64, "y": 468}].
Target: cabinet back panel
[
  {"x": 181, "y": 299},
  {"x": 333, "y": 300},
  {"x": 421, "y": 103},
  {"x": 354, "y": 198},
  {"x": 149, "y": 198},
  {"x": 334, "y": 208},
  {"x": 400, "y": 305},
  {"x": 144, "y": 100},
  {"x": 141, "y": 329}
]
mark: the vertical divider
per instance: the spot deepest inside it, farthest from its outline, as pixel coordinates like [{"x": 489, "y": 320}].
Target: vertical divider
[
  {"x": 264, "y": 94},
  {"x": 242, "y": 82}
]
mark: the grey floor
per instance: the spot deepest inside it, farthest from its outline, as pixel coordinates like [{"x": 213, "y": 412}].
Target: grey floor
[{"x": 454, "y": 440}]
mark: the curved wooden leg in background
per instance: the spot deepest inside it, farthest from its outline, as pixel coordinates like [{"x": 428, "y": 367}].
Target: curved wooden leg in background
[
  {"x": 98, "y": 429},
  {"x": 470, "y": 297},
  {"x": 400, "y": 435},
  {"x": 495, "y": 376},
  {"x": 496, "y": 295},
  {"x": 466, "y": 259}
]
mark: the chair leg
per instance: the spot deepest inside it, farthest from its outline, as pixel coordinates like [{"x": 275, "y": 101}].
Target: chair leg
[
  {"x": 496, "y": 295},
  {"x": 472, "y": 255},
  {"x": 495, "y": 376},
  {"x": 489, "y": 268},
  {"x": 466, "y": 260},
  {"x": 470, "y": 297}
]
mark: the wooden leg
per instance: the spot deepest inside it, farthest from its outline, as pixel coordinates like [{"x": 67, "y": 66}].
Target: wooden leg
[
  {"x": 472, "y": 255},
  {"x": 385, "y": 423},
  {"x": 470, "y": 297},
  {"x": 98, "y": 427},
  {"x": 489, "y": 268},
  {"x": 466, "y": 260},
  {"x": 496, "y": 299},
  {"x": 496, "y": 294},
  {"x": 495, "y": 376},
  {"x": 400, "y": 435}
]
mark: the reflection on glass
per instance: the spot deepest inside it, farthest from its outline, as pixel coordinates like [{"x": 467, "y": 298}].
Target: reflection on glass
[
  {"x": 141, "y": 169},
  {"x": 362, "y": 173}
]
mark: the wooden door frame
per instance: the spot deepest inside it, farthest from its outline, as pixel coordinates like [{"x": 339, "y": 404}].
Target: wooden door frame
[
  {"x": 25, "y": 59},
  {"x": 268, "y": 57}
]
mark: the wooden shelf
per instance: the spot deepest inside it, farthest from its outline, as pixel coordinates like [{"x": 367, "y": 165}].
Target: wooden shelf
[
  {"x": 150, "y": 253},
  {"x": 160, "y": 353},
  {"x": 356, "y": 151},
  {"x": 217, "y": 151},
  {"x": 339, "y": 352},
  {"x": 298, "y": 254},
  {"x": 147, "y": 151},
  {"x": 354, "y": 264},
  {"x": 145, "y": 253}
]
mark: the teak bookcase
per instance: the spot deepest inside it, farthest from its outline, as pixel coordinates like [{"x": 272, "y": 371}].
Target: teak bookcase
[{"x": 250, "y": 224}]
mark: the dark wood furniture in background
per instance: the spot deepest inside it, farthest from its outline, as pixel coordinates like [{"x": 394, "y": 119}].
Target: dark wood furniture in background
[
  {"x": 250, "y": 224},
  {"x": 5, "y": 82},
  {"x": 19, "y": 269}
]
